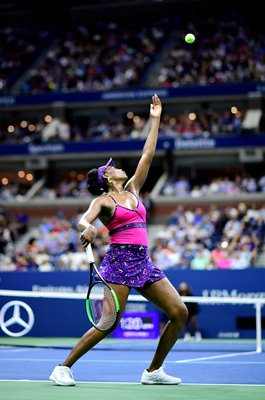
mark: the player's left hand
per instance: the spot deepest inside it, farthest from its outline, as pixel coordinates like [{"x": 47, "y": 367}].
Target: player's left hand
[{"x": 155, "y": 107}]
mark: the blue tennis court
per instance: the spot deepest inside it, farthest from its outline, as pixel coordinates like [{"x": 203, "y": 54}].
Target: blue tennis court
[
  {"x": 110, "y": 365},
  {"x": 112, "y": 371}
]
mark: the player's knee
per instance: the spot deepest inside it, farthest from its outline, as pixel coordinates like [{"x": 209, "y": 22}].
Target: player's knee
[{"x": 183, "y": 313}]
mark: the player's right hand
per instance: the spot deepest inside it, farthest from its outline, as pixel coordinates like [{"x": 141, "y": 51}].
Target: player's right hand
[
  {"x": 84, "y": 241},
  {"x": 88, "y": 235}
]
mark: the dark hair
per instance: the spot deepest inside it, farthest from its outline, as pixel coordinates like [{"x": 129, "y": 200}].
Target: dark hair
[{"x": 93, "y": 185}]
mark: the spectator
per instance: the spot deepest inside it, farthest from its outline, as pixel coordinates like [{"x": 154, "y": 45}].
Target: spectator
[{"x": 191, "y": 326}]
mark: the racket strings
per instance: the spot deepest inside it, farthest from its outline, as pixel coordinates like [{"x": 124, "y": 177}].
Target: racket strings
[{"x": 102, "y": 306}]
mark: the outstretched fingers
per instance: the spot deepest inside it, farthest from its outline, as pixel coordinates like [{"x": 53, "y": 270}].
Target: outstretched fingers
[
  {"x": 156, "y": 99},
  {"x": 155, "y": 107}
]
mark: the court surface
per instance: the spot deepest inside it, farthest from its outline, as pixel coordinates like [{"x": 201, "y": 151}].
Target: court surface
[{"x": 112, "y": 370}]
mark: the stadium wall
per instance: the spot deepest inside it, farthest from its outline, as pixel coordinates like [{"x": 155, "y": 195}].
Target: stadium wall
[{"x": 55, "y": 317}]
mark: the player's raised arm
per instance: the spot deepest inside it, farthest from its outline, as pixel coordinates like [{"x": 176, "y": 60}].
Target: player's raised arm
[{"x": 138, "y": 179}]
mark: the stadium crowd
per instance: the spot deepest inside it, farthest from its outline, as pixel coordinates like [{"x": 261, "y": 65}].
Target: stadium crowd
[
  {"x": 21, "y": 45},
  {"x": 229, "y": 238},
  {"x": 73, "y": 185},
  {"x": 215, "y": 238},
  {"x": 229, "y": 49},
  {"x": 189, "y": 125},
  {"x": 100, "y": 56},
  {"x": 106, "y": 55},
  {"x": 221, "y": 185}
]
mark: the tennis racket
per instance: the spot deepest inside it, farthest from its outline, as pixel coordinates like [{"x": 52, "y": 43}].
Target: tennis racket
[{"x": 102, "y": 304}]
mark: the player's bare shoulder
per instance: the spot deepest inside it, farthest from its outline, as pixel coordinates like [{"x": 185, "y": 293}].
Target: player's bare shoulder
[
  {"x": 107, "y": 207},
  {"x": 102, "y": 200},
  {"x": 106, "y": 202}
]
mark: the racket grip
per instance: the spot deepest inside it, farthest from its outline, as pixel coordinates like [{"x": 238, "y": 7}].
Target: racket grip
[{"x": 89, "y": 252}]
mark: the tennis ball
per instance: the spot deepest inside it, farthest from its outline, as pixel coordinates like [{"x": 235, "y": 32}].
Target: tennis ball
[{"x": 189, "y": 38}]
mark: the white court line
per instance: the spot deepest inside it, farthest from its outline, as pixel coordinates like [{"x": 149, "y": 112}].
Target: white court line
[
  {"x": 139, "y": 361},
  {"x": 80, "y": 361},
  {"x": 233, "y": 362},
  {"x": 12, "y": 350},
  {"x": 132, "y": 361},
  {"x": 132, "y": 383},
  {"x": 215, "y": 357}
]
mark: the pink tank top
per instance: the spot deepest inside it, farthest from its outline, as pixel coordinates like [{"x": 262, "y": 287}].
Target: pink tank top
[{"x": 128, "y": 226}]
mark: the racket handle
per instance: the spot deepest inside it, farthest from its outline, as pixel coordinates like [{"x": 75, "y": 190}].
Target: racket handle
[{"x": 89, "y": 252}]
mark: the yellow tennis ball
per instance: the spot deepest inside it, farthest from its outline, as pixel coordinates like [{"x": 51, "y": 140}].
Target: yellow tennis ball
[{"x": 189, "y": 38}]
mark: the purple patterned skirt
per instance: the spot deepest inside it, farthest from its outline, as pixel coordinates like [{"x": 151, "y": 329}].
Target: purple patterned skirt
[{"x": 129, "y": 265}]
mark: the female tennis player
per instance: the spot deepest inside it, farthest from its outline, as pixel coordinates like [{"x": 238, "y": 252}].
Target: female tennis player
[{"x": 127, "y": 263}]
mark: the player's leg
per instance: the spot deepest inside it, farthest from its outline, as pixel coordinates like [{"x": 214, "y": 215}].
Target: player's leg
[
  {"x": 163, "y": 294},
  {"x": 93, "y": 336},
  {"x": 187, "y": 327},
  {"x": 195, "y": 325},
  {"x": 62, "y": 375}
]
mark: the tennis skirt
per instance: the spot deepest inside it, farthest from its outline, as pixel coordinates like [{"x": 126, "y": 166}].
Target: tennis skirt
[{"x": 129, "y": 265}]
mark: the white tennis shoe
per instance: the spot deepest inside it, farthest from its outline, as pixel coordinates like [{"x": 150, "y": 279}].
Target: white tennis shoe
[
  {"x": 62, "y": 376},
  {"x": 159, "y": 377}
]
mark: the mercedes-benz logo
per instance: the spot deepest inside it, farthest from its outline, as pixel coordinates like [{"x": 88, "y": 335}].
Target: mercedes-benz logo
[{"x": 21, "y": 317}]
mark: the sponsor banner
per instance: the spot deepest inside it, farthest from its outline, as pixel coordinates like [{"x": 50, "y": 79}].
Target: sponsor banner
[
  {"x": 16, "y": 318},
  {"x": 83, "y": 147},
  {"x": 220, "y": 142},
  {"x": 138, "y": 325},
  {"x": 196, "y": 143},
  {"x": 55, "y": 317},
  {"x": 131, "y": 94},
  {"x": 38, "y": 317},
  {"x": 164, "y": 143},
  {"x": 227, "y": 283}
]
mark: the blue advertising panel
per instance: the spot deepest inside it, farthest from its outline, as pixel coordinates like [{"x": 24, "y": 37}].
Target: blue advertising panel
[
  {"x": 226, "y": 283},
  {"x": 131, "y": 94},
  {"x": 164, "y": 143},
  {"x": 53, "y": 317},
  {"x": 138, "y": 325}
]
